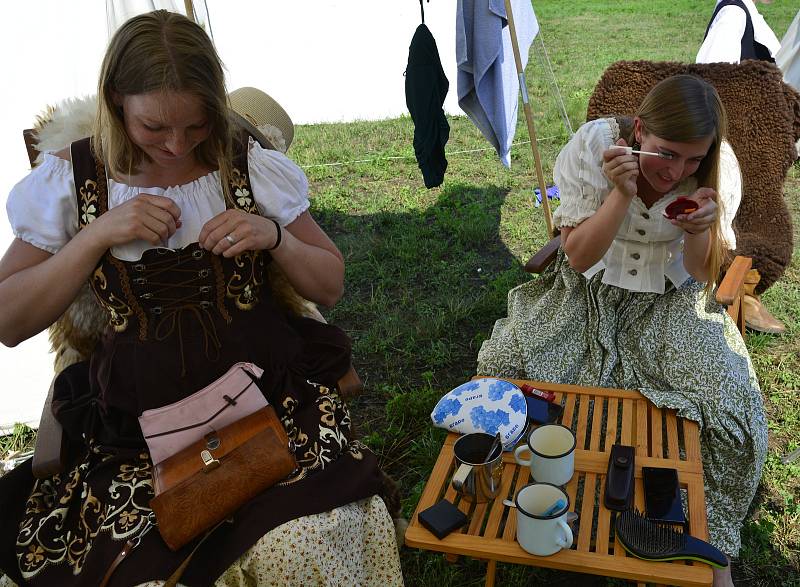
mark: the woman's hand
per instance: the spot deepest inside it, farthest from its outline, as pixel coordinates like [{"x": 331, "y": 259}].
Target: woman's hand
[
  {"x": 146, "y": 217},
  {"x": 703, "y": 218},
  {"x": 234, "y": 231},
  {"x": 621, "y": 169}
]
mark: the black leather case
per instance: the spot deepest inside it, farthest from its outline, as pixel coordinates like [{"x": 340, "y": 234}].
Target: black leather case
[{"x": 619, "y": 479}]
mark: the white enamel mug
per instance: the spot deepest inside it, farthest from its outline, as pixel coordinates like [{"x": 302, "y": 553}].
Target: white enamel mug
[
  {"x": 552, "y": 449},
  {"x": 540, "y": 530}
]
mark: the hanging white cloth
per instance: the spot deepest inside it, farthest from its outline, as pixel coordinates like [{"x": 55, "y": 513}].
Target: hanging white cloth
[
  {"x": 487, "y": 81},
  {"x": 788, "y": 57}
]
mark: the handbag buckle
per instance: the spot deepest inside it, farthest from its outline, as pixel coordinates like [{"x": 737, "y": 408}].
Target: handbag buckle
[
  {"x": 212, "y": 442},
  {"x": 209, "y": 462}
]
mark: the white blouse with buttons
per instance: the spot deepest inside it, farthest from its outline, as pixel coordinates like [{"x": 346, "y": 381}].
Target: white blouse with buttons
[
  {"x": 42, "y": 208},
  {"x": 647, "y": 248}
]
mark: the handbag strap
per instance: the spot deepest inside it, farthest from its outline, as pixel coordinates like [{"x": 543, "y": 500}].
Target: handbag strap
[
  {"x": 131, "y": 545},
  {"x": 173, "y": 579}
]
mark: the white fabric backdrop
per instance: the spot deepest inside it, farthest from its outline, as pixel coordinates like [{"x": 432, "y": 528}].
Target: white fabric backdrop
[{"x": 323, "y": 60}]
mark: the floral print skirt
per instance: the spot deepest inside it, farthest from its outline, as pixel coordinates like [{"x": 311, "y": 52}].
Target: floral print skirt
[
  {"x": 678, "y": 349},
  {"x": 353, "y": 544}
]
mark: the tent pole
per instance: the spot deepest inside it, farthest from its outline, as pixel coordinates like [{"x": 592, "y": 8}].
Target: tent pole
[
  {"x": 523, "y": 87},
  {"x": 189, "y": 10}
]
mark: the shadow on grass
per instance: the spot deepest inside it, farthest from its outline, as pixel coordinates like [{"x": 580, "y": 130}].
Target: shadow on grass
[{"x": 423, "y": 290}]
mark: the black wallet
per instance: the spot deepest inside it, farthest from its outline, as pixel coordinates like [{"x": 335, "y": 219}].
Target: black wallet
[{"x": 442, "y": 518}]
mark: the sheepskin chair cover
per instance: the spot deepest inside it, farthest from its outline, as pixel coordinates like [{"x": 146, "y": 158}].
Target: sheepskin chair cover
[
  {"x": 74, "y": 335},
  {"x": 763, "y": 127}
]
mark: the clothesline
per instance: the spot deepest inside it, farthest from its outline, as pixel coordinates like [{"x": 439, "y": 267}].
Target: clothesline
[{"x": 395, "y": 157}]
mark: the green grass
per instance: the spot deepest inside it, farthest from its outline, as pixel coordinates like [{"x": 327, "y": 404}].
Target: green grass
[
  {"x": 18, "y": 441},
  {"x": 428, "y": 270}
]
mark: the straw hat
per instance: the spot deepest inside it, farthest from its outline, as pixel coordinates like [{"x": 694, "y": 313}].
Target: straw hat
[{"x": 262, "y": 117}]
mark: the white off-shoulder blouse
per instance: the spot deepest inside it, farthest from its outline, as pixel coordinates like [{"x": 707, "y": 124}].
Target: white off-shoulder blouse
[
  {"x": 647, "y": 248},
  {"x": 42, "y": 208}
]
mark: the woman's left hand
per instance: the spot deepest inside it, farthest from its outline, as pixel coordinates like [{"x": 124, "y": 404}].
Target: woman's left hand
[
  {"x": 703, "y": 218},
  {"x": 234, "y": 231}
]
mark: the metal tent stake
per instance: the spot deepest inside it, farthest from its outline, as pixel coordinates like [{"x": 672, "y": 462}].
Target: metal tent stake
[{"x": 523, "y": 87}]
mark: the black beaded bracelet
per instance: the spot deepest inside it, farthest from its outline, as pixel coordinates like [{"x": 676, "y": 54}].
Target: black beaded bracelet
[{"x": 280, "y": 235}]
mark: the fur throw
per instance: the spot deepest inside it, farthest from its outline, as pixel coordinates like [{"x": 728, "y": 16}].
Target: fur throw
[
  {"x": 763, "y": 127},
  {"x": 74, "y": 335}
]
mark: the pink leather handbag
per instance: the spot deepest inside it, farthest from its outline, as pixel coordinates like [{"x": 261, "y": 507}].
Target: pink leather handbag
[{"x": 171, "y": 428}]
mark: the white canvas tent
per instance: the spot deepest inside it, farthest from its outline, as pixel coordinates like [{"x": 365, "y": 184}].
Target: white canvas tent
[{"x": 324, "y": 61}]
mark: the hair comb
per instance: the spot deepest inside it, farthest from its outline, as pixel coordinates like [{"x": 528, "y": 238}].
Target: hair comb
[{"x": 648, "y": 540}]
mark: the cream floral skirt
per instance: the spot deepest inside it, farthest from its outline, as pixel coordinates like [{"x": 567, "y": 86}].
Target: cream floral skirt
[{"x": 353, "y": 545}]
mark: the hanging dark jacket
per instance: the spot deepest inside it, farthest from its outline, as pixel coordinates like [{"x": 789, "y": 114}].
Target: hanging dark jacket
[{"x": 426, "y": 88}]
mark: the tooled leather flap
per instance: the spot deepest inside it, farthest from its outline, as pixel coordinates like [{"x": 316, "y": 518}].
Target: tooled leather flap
[
  {"x": 220, "y": 444},
  {"x": 200, "y": 501}
]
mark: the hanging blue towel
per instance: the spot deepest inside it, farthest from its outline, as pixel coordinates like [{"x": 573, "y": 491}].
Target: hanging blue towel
[{"x": 487, "y": 82}]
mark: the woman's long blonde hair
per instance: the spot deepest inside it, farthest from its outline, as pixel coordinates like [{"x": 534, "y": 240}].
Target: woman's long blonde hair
[
  {"x": 685, "y": 108},
  {"x": 156, "y": 52}
]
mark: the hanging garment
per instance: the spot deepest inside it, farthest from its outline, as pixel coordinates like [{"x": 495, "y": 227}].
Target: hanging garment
[
  {"x": 788, "y": 56},
  {"x": 426, "y": 89},
  {"x": 788, "y": 59},
  {"x": 487, "y": 75}
]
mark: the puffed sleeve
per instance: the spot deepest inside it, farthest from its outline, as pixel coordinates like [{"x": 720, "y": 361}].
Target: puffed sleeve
[
  {"x": 42, "y": 208},
  {"x": 280, "y": 187},
  {"x": 730, "y": 191},
  {"x": 578, "y": 173}
]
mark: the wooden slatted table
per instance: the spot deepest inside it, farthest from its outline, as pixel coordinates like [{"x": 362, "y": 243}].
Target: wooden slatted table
[{"x": 600, "y": 418}]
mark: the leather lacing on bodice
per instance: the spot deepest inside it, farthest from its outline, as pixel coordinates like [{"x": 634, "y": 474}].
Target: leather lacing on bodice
[
  {"x": 167, "y": 289},
  {"x": 172, "y": 285}
]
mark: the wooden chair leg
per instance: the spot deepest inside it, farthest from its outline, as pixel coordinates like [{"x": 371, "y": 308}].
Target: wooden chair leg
[
  {"x": 451, "y": 558},
  {"x": 740, "y": 321},
  {"x": 491, "y": 568}
]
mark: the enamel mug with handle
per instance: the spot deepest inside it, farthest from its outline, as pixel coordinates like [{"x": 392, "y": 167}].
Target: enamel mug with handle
[
  {"x": 552, "y": 449},
  {"x": 542, "y": 511}
]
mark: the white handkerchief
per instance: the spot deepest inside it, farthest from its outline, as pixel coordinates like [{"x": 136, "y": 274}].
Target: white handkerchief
[{"x": 484, "y": 405}]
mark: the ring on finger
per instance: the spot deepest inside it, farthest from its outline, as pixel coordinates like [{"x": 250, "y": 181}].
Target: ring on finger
[{"x": 230, "y": 238}]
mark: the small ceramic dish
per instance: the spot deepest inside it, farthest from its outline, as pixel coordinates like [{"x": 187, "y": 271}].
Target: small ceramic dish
[{"x": 681, "y": 205}]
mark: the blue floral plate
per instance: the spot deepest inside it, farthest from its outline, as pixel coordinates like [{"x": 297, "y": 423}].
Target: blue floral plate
[{"x": 484, "y": 405}]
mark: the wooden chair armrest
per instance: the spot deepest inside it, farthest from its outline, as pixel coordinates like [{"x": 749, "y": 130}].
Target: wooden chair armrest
[
  {"x": 544, "y": 257},
  {"x": 733, "y": 281},
  {"x": 350, "y": 384},
  {"x": 49, "y": 455}
]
